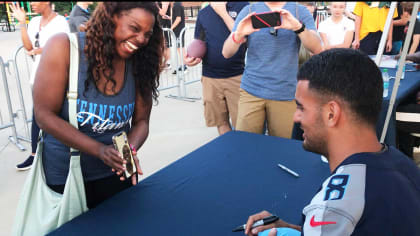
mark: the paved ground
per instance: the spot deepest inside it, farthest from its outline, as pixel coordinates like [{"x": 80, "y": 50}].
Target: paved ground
[{"x": 176, "y": 129}]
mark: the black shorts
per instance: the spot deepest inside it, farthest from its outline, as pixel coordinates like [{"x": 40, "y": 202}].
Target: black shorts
[{"x": 370, "y": 43}]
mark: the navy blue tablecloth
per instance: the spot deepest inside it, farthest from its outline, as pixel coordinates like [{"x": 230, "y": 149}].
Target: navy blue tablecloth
[
  {"x": 211, "y": 190},
  {"x": 409, "y": 85}
]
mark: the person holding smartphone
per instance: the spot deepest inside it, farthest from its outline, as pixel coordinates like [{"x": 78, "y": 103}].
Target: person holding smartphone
[
  {"x": 121, "y": 56},
  {"x": 268, "y": 82},
  {"x": 34, "y": 36}
]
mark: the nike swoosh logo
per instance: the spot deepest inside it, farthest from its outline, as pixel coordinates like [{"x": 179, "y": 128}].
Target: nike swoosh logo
[{"x": 314, "y": 223}]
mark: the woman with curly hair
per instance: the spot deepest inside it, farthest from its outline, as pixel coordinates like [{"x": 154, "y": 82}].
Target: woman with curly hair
[{"x": 120, "y": 62}]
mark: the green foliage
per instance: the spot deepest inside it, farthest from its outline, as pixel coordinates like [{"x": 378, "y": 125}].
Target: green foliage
[
  {"x": 93, "y": 6},
  {"x": 63, "y": 7}
]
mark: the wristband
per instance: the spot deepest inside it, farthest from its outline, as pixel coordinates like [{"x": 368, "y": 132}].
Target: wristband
[
  {"x": 300, "y": 30},
  {"x": 233, "y": 38},
  {"x": 132, "y": 147}
]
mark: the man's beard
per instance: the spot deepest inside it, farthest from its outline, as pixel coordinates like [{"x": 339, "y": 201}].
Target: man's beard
[
  {"x": 319, "y": 147},
  {"x": 317, "y": 142}
]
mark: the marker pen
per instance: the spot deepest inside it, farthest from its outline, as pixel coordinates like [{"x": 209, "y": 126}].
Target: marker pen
[
  {"x": 265, "y": 221},
  {"x": 288, "y": 170}
]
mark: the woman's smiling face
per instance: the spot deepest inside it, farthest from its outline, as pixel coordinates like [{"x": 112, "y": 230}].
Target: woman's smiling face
[{"x": 133, "y": 29}]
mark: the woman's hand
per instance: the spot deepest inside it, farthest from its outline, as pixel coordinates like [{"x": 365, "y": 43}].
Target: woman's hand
[
  {"x": 18, "y": 13},
  {"x": 111, "y": 157},
  {"x": 137, "y": 163}
]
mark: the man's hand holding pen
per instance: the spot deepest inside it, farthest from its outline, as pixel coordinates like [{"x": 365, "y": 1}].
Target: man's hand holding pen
[
  {"x": 252, "y": 219},
  {"x": 276, "y": 224}
]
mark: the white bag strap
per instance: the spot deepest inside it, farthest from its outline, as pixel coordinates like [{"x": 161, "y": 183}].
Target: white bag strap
[{"x": 73, "y": 79}]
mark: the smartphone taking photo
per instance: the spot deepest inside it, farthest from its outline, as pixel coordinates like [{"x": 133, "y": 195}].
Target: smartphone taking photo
[
  {"x": 266, "y": 19},
  {"x": 120, "y": 141}
]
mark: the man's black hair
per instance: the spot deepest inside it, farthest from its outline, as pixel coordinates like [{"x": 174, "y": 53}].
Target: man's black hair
[{"x": 349, "y": 75}]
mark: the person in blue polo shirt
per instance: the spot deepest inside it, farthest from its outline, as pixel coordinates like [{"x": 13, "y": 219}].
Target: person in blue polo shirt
[
  {"x": 221, "y": 77},
  {"x": 268, "y": 84},
  {"x": 374, "y": 189}
]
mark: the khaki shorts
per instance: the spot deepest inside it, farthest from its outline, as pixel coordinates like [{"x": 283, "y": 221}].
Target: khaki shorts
[
  {"x": 253, "y": 111},
  {"x": 221, "y": 98}
]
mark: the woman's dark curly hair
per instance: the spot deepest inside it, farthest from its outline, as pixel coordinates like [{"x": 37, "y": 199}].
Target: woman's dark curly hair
[{"x": 100, "y": 48}]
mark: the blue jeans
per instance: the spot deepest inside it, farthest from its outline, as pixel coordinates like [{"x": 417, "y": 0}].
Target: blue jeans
[{"x": 396, "y": 46}]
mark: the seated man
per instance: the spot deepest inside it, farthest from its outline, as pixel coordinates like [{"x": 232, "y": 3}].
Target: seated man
[{"x": 374, "y": 189}]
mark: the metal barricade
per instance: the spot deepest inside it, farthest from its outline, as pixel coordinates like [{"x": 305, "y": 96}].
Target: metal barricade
[
  {"x": 321, "y": 15},
  {"x": 167, "y": 80},
  {"x": 192, "y": 74},
  {"x": 14, "y": 138},
  {"x": 21, "y": 67},
  {"x": 183, "y": 77}
]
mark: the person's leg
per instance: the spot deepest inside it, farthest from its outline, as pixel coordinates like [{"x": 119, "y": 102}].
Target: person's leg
[
  {"x": 181, "y": 48},
  {"x": 280, "y": 118},
  {"x": 27, "y": 163},
  {"x": 231, "y": 93},
  {"x": 215, "y": 109},
  {"x": 167, "y": 52},
  {"x": 251, "y": 113}
]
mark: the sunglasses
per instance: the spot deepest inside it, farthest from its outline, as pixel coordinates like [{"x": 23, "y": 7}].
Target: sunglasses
[{"x": 37, "y": 40}]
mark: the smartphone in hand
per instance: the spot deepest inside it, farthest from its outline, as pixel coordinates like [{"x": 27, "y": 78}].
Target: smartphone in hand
[
  {"x": 120, "y": 141},
  {"x": 266, "y": 19}
]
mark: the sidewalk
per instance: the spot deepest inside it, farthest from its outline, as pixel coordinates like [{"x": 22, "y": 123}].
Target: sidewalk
[{"x": 176, "y": 129}]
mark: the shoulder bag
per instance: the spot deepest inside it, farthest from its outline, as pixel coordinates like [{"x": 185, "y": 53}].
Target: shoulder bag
[{"x": 40, "y": 209}]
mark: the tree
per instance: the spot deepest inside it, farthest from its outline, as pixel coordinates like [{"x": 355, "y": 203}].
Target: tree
[{"x": 63, "y": 7}]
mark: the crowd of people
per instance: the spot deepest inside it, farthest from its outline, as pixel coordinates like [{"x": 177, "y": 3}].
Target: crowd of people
[{"x": 252, "y": 81}]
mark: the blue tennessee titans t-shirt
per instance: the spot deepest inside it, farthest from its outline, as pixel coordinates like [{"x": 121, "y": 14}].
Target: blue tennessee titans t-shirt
[
  {"x": 272, "y": 61},
  {"x": 99, "y": 116},
  {"x": 211, "y": 28}
]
